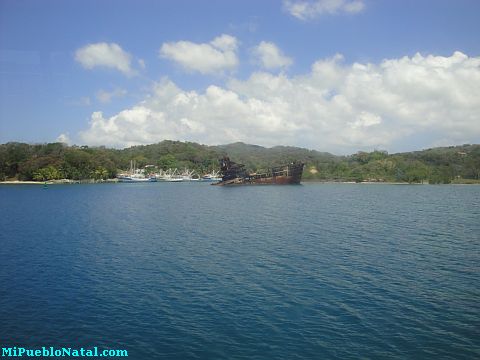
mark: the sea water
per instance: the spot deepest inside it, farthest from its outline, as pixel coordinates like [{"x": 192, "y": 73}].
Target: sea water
[{"x": 193, "y": 271}]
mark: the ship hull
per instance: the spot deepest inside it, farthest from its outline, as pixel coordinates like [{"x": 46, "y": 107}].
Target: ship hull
[
  {"x": 287, "y": 175},
  {"x": 127, "y": 179},
  {"x": 280, "y": 180}
]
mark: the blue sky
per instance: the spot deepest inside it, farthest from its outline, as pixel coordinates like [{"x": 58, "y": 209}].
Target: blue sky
[{"x": 332, "y": 75}]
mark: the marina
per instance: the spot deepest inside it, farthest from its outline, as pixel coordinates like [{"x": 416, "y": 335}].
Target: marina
[
  {"x": 150, "y": 173},
  {"x": 230, "y": 173}
]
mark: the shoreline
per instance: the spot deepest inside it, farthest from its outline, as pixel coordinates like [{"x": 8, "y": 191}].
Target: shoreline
[
  {"x": 58, "y": 182},
  {"x": 114, "y": 181}
]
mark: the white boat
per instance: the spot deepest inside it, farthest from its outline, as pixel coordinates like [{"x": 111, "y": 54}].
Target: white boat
[
  {"x": 169, "y": 176},
  {"x": 213, "y": 176},
  {"x": 135, "y": 175},
  {"x": 135, "y": 178},
  {"x": 189, "y": 175},
  {"x": 174, "y": 176}
]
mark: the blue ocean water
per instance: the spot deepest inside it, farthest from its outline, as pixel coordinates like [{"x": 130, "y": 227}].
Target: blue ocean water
[{"x": 193, "y": 271}]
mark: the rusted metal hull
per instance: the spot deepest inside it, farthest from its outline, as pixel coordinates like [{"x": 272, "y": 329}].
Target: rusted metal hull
[
  {"x": 280, "y": 180},
  {"x": 283, "y": 175}
]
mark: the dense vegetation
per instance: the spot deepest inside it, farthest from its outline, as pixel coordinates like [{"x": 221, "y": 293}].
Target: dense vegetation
[{"x": 57, "y": 161}]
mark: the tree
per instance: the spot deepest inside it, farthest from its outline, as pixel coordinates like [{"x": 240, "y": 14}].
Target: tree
[
  {"x": 47, "y": 173},
  {"x": 167, "y": 162},
  {"x": 100, "y": 173},
  {"x": 415, "y": 171},
  {"x": 441, "y": 175}
]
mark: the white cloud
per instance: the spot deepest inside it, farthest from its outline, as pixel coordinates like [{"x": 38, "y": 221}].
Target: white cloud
[
  {"x": 217, "y": 56},
  {"x": 108, "y": 55},
  {"x": 269, "y": 56},
  {"x": 309, "y": 9},
  {"x": 64, "y": 138},
  {"x": 106, "y": 96},
  {"x": 365, "y": 119},
  {"x": 336, "y": 107}
]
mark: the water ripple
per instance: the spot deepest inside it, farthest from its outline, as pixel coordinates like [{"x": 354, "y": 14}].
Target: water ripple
[{"x": 171, "y": 271}]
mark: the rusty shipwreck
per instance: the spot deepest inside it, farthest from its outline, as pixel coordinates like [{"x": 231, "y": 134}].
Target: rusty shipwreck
[{"x": 235, "y": 174}]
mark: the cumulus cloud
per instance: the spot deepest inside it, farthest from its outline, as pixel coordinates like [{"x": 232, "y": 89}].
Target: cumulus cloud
[
  {"x": 269, "y": 56},
  {"x": 106, "y": 96},
  {"x": 64, "y": 138},
  {"x": 109, "y": 55},
  {"x": 335, "y": 107},
  {"x": 309, "y": 9},
  {"x": 216, "y": 56}
]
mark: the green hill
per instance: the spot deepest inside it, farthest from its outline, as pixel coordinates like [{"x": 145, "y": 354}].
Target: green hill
[{"x": 55, "y": 160}]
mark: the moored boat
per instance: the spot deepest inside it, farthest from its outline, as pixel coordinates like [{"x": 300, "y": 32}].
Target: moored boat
[
  {"x": 135, "y": 175},
  {"x": 173, "y": 176},
  {"x": 135, "y": 178},
  {"x": 213, "y": 176}
]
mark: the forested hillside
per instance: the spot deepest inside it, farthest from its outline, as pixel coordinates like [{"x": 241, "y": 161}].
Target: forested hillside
[{"x": 56, "y": 161}]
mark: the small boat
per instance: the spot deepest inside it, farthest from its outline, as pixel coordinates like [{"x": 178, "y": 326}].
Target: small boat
[
  {"x": 189, "y": 175},
  {"x": 135, "y": 178},
  {"x": 174, "y": 176},
  {"x": 213, "y": 176},
  {"x": 235, "y": 174},
  {"x": 135, "y": 175}
]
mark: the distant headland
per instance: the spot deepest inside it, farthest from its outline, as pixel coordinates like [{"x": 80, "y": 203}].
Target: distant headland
[{"x": 59, "y": 162}]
